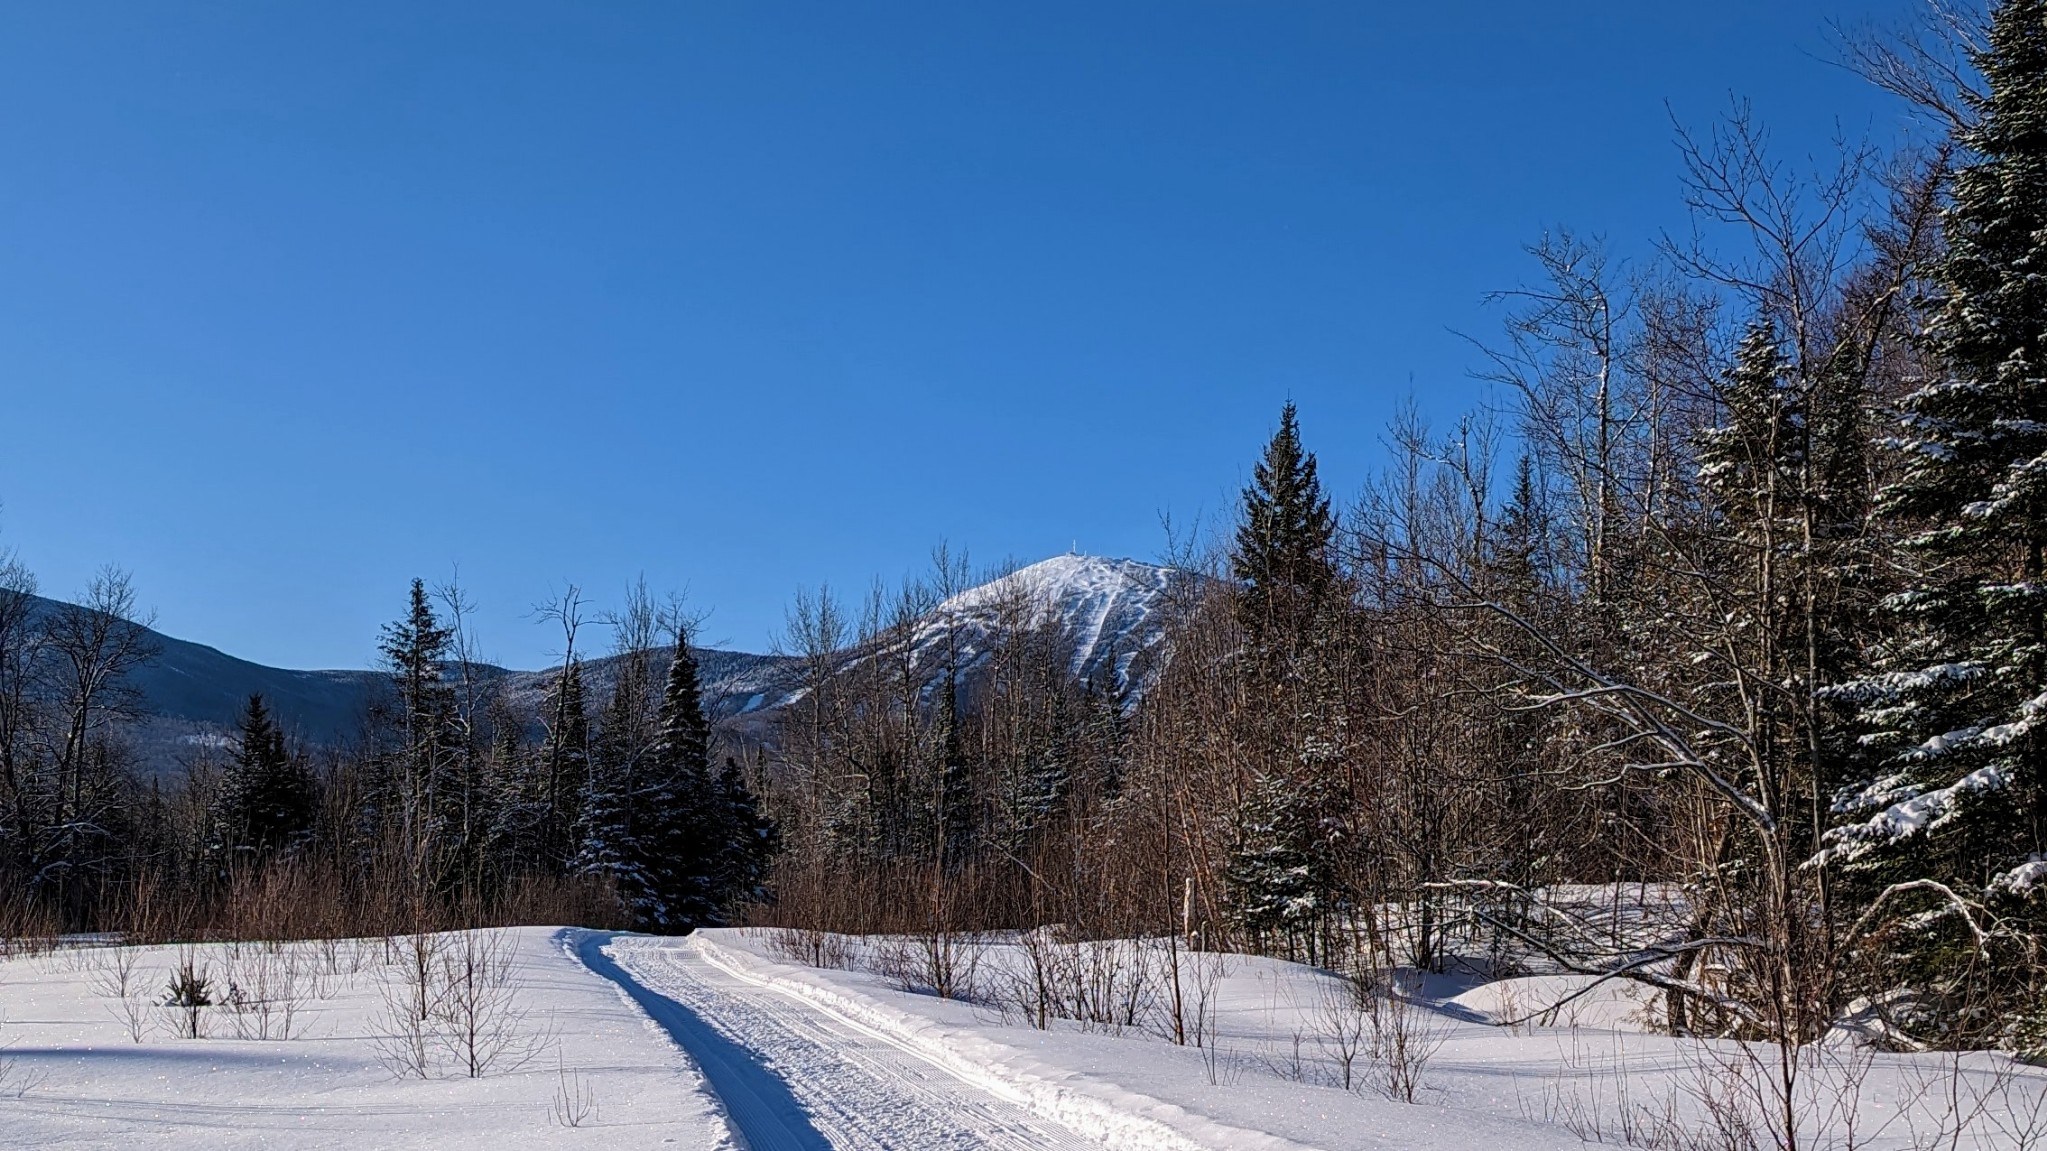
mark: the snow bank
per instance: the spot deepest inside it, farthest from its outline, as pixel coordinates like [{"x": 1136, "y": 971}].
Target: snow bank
[{"x": 1566, "y": 1001}]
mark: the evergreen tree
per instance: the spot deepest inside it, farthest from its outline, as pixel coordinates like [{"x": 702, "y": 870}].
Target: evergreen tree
[
  {"x": 1282, "y": 555},
  {"x": 1279, "y": 880},
  {"x": 751, "y": 840},
  {"x": 600, "y": 832},
  {"x": 603, "y": 830},
  {"x": 265, "y": 803},
  {"x": 1785, "y": 531},
  {"x": 1518, "y": 555},
  {"x": 673, "y": 837},
  {"x": 416, "y": 651},
  {"x": 1293, "y": 731},
  {"x": 1106, "y": 729},
  {"x": 514, "y": 813},
  {"x": 1749, "y": 465},
  {"x": 953, "y": 813},
  {"x": 1517, "y": 573},
  {"x": 421, "y": 772},
  {"x": 1035, "y": 758},
  {"x": 1959, "y": 709}
]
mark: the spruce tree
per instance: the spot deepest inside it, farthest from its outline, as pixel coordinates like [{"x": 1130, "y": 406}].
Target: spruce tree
[
  {"x": 416, "y": 650},
  {"x": 751, "y": 840},
  {"x": 1279, "y": 878},
  {"x": 1518, "y": 549},
  {"x": 1516, "y": 572},
  {"x": 1106, "y": 729},
  {"x": 603, "y": 829},
  {"x": 421, "y": 772},
  {"x": 1958, "y": 712},
  {"x": 671, "y": 857},
  {"x": 953, "y": 814},
  {"x": 513, "y": 814},
  {"x": 600, "y": 832},
  {"x": 1292, "y": 731},
  {"x": 1282, "y": 555},
  {"x": 265, "y": 804},
  {"x": 1754, "y": 456}
]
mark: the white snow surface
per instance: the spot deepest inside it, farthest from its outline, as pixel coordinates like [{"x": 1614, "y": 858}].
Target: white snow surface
[
  {"x": 798, "y": 1074},
  {"x": 714, "y": 1041},
  {"x": 1273, "y": 1087},
  {"x": 89, "y": 1085},
  {"x": 1140, "y": 1091}
]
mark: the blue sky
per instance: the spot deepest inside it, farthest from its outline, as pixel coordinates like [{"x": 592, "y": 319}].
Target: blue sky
[{"x": 299, "y": 301}]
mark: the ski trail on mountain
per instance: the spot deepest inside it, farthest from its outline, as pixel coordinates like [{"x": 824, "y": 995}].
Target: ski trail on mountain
[{"x": 797, "y": 1078}]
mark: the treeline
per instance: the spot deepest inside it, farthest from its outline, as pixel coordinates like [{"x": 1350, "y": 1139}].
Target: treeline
[
  {"x": 456, "y": 806},
  {"x": 1715, "y": 659}
]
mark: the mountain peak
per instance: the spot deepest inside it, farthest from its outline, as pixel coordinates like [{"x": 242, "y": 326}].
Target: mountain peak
[
  {"x": 1111, "y": 609},
  {"x": 1066, "y": 580}
]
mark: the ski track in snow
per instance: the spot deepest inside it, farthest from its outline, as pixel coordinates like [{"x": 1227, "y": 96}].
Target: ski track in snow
[{"x": 796, "y": 1078}]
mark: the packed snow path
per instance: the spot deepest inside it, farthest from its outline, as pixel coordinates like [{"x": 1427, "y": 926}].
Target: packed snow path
[{"x": 796, "y": 1077}]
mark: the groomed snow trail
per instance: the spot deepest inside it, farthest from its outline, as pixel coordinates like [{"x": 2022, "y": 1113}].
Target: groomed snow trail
[{"x": 796, "y": 1078}]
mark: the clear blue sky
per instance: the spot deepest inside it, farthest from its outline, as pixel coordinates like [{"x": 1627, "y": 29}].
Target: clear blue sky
[{"x": 298, "y": 301}]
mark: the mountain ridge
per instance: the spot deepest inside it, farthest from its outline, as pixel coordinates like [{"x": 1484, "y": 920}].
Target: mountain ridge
[{"x": 1110, "y": 611}]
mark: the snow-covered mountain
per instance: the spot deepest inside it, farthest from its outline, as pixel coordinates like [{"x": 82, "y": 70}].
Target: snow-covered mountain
[
  {"x": 1107, "y": 613},
  {"x": 735, "y": 683},
  {"x": 1111, "y": 611}
]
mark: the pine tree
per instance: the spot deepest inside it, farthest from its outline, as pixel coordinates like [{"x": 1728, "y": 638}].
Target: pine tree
[
  {"x": 265, "y": 804},
  {"x": 1282, "y": 555},
  {"x": 1959, "y": 709},
  {"x": 1106, "y": 729},
  {"x": 673, "y": 835},
  {"x": 1750, "y": 463},
  {"x": 1279, "y": 881},
  {"x": 421, "y": 772},
  {"x": 751, "y": 841},
  {"x": 953, "y": 813}
]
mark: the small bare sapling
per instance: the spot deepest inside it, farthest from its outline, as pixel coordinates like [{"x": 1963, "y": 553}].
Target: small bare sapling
[
  {"x": 482, "y": 1026},
  {"x": 575, "y": 1099}
]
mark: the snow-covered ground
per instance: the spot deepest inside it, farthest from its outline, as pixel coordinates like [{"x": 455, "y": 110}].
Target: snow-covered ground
[
  {"x": 1270, "y": 1074},
  {"x": 803, "y": 1075},
  {"x": 75, "y": 1076},
  {"x": 722, "y": 1040}
]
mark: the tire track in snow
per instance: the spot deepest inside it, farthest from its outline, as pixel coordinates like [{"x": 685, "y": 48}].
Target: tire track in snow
[
  {"x": 795, "y": 1078},
  {"x": 762, "y": 1110}
]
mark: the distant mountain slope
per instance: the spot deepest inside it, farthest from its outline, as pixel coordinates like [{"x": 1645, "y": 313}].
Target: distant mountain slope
[
  {"x": 734, "y": 682},
  {"x": 1110, "y": 610},
  {"x": 192, "y": 693},
  {"x": 196, "y": 684}
]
